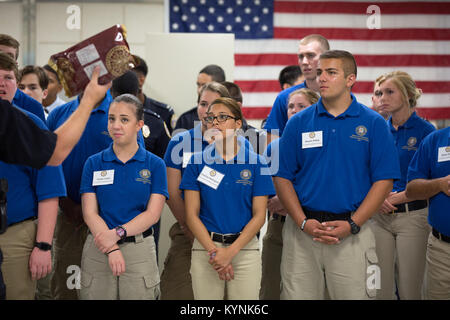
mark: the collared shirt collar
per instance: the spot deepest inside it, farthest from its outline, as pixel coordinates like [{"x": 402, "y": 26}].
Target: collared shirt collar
[
  {"x": 352, "y": 111},
  {"x": 408, "y": 124},
  {"x": 211, "y": 154},
  {"x": 110, "y": 156}
]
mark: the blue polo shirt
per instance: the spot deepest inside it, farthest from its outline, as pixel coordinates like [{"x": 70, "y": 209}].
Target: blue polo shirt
[
  {"x": 357, "y": 150},
  {"x": 407, "y": 139},
  {"x": 134, "y": 182},
  {"x": 278, "y": 114},
  {"x": 94, "y": 139},
  {"x": 228, "y": 208},
  {"x": 184, "y": 144},
  {"x": 272, "y": 156},
  {"x": 426, "y": 164},
  {"x": 28, "y": 186},
  {"x": 25, "y": 102}
]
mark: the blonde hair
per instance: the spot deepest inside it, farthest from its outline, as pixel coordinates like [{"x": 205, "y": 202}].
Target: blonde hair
[
  {"x": 405, "y": 84},
  {"x": 216, "y": 87},
  {"x": 318, "y": 38},
  {"x": 309, "y": 94}
]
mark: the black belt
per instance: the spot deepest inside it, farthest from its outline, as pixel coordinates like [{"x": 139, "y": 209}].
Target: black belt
[
  {"x": 145, "y": 234},
  {"x": 413, "y": 205},
  {"x": 30, "y": 218},
  {"x": 323, "y": 216},
  {"x": 224, "y": 238},
  {"x": 440, "y": 236},
  {"x": 276, "y": 216}
]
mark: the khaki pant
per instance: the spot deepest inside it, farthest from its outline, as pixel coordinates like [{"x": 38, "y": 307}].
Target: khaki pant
[
  {"x": 140, "y": 281},
  {"x": 176, "y": 282},
  {"x": 349, "y": 269},
  {"x": 43, "y": 289},
  {"x": 438, "y": 269},
  {"x": 17, "y": 243},
  {"x": 271, "y": 260},
  {"x": 68, "y": 247},
  {"x": 247, "y": 274},
  {"x": 401, "y": 240}
]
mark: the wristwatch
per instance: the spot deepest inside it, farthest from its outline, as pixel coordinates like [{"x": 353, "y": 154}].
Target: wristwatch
[
  {"x": 44, "y": 246},
  {"x": 121, "y": 232},
  {"x": 354, "y": 228}
]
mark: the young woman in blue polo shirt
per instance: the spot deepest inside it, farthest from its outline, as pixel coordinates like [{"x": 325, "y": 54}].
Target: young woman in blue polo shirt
[
  {"x": 226, "y": 194},
  {"x": 401, "y": 228},
  {"x": 123, "y": 192}
]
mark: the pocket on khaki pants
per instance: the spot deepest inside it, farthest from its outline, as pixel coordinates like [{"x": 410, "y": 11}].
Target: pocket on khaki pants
[{"x": 373, "y": 273}]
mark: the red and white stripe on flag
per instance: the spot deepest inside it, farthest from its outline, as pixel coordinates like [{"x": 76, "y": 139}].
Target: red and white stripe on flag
[{"x": 414, "y": 36}]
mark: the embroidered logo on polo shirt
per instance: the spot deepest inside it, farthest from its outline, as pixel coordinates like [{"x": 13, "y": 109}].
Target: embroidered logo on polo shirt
[
  {"x": 361, "y": 132},
  {"x": 144, "y": 176},
  {"x": 245, "y": 177},
  {"x": 246, "y": 174},
  {"x": 411, "y": 144}
]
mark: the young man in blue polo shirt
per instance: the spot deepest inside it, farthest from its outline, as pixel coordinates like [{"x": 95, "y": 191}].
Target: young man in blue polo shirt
[
  {"x": 336, "y": 169},
  {"x": 429, "y": 178},
  {"x": 310, "y": 48},
  {"x": 10, "y": 46},
  {"x": 31, "y": 193}
]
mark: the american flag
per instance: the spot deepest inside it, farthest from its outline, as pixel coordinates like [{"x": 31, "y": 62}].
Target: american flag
[{"x": 413, "y": 36}]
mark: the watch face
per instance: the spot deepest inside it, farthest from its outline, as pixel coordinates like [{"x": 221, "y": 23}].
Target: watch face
[{"x": 120, "y": 232}]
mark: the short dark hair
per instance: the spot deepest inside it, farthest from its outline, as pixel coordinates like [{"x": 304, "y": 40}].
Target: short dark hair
[
  {"x": 289, "y": 75},
  {"x": 234, "y": 90},
  {"x": 126, "y": 83},
  {"x": 38, "y": 71},
  {"x": 141, "y": 65},
  {"x": 133, "y": 100},
  {"x": 217, "y": 74},
  {"x": 50, "y": 69},
  {"x": 348, "y": 60},
  {"x": 7, "y": 40},
  {"x": 8, "y": 63}
]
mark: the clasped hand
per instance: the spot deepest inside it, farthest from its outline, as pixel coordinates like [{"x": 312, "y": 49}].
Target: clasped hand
[
  {"x": 220, "y": 260},
  {"x": 331, "y": 232},
  {"x": 105, "y": 240}
]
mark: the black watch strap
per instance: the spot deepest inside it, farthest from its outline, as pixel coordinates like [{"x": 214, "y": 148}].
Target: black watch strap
[
  {"x": 354, "y": 228},
  {"x": 44, "y": 246}
]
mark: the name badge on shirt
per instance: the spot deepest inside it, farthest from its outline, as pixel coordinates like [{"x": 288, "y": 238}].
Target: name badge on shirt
[
  {"x": 312, "y": 139},
  {"x": 444, "y": 154},
  {"x": 186, "y": 157},
  {"x": 103, "y": 177},
  {"x": 210, "y": 177}
]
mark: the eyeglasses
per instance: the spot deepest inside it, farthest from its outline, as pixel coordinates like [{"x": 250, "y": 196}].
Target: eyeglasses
[{"x": 220, "y": 118}]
